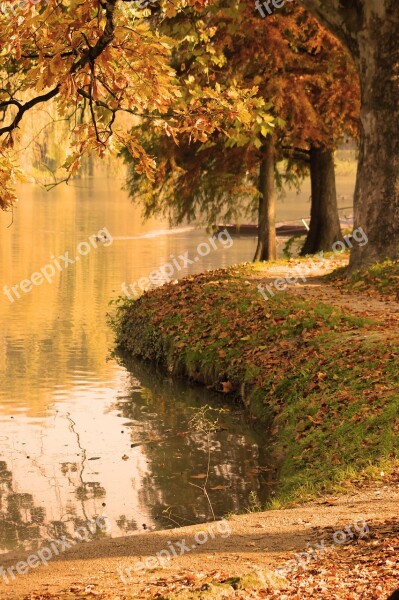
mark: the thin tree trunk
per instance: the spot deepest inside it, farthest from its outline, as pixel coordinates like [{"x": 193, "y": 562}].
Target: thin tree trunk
[
  {"x": 266, "y": 248},
  {"x": 370, "y": 29},
  {"x": 324, "y": 228}
]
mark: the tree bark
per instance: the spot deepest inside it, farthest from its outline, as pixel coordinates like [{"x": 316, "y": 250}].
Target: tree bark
[
  {"x": 324, "y": 228},
  {"x": 266, "y": 248},
  {"x": 370, "y": 29}
]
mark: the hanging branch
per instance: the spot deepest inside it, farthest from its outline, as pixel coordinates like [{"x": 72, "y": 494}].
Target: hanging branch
[{"x": 89, "y": 56}]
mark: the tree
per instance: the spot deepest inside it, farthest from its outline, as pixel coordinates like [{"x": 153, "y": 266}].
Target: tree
[
  {"x": 324, "y": 227},
  {"x": 96, "y": 60},
  {"x": 266, "y": 246},
  {"x": 294, "y": 64},
  {"x": 78, "y": 54},
  {"x": 370, "y": 30},
  {"x": 309, "y": 83},
  {"x": 337, "y": 99}
]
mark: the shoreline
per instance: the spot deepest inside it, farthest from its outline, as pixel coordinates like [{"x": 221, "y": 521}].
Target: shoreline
[
  {"x": 301, "y": 361},
  {"x": 265, "y": 553},
  {"x": 303, "y": 548}
]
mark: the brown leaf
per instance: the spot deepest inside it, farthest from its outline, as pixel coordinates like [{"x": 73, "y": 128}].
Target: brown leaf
[{"x": 226, "y": 386}]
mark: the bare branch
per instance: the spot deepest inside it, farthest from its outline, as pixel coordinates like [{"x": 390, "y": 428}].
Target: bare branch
[{"x": 27, "y": 106}]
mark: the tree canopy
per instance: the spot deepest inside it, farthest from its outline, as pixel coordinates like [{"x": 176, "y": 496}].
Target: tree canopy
[
  {"x": 302, "y": 74},
  {"x": 370, "y": 30},
  {"x": 215, "y": 73},
  {"x": 97, "y": 60}
]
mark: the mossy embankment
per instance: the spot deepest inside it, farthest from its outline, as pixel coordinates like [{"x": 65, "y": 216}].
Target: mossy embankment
[{"x": 324, "y": 380}]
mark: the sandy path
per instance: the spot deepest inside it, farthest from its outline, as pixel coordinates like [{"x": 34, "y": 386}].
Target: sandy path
[{"x": 261, "y": 541}]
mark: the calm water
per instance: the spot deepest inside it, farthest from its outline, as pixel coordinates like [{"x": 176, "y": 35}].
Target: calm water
[
  {"x": 81, "y": 435},
  {"x": 68, "y": 415}
]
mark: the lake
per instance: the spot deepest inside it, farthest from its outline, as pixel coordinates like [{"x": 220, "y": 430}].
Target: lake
[{"x": 80, "y": 434}]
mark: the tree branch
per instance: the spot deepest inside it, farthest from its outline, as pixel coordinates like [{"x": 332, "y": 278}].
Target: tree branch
[
  {"x": 103, "y": 41},
  {"x": 6, "y": 103},
  {"x": 88, "y": 57},
  {"x": 22, "y": 108},
  {"x": 296, "y": 154}
]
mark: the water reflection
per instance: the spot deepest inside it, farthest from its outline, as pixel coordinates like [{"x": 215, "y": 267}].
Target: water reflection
[
  {"x": 151, "y": 483},
  {"x": 62, "y": 435},
  {"x": 177, "y": 455},
  {"x": 80, "y": 435},
  {"x": 20, "y": 519}
]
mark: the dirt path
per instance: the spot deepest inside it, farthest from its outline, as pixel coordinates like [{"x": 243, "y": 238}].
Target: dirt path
[
  {"x": 257, "y": 543},
  {"x": 318, "y": 289}
]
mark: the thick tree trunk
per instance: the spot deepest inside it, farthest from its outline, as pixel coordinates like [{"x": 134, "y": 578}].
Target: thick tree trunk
[
  {"x": 266, "y": 248},
  {"x": 370, "y": 29},
  {"x": 324, "y": 228},
  {"x": 376, "y": 204}
]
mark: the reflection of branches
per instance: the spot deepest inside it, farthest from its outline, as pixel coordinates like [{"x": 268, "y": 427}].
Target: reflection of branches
[
  {"x": 20, "y": 520},
  {"x": 96, "y": 490},
  {"x": 167, "y": 512},
  {"x": 126, "y": 524},
  {"x": 84, "y": 457}
]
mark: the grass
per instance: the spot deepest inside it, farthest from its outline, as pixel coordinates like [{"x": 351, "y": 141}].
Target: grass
[
  {"x": 323, "y": 380},
  {"x": 380, "y": 280}
]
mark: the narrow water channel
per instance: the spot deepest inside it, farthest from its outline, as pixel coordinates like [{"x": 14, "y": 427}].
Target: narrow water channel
[{"x": 80, "y": 435}]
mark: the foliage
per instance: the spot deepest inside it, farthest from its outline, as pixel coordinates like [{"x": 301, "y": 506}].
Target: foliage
[
  {"x": 254, "y": 504},
  {"x": 362, "y": 567},
  {"x": 9, "y": 175},
  {"x": 98, "y": 60},
  {"x": 381, "y": 280},
  {"x": 288, "y": 246},
  {"x": 308, "y": 91}
]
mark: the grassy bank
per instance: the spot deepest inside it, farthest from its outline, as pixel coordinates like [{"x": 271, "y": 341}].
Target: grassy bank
[
  {"x": 378, "y": 281},
  {"x": 325, "y": 380}
]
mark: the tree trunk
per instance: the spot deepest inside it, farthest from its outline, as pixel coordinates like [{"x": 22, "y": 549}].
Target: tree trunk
[
  {"x": 324, "y": 227},
  {"x": 266, "y": 248},
  {"x": 370, "y": 29}
]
